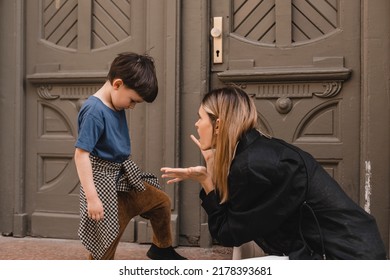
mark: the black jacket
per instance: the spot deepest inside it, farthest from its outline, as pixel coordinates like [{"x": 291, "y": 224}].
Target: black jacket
[{"x": 281, "y": 197}]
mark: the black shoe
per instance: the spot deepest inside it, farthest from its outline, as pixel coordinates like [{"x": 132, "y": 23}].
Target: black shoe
[{"x": 156, "y": 253}]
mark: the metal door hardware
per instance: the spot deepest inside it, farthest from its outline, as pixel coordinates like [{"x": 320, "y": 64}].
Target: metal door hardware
[{"x": 216, "y": 33}]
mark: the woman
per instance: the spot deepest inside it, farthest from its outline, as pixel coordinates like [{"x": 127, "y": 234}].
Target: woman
[{"x": 255, "y": 187}]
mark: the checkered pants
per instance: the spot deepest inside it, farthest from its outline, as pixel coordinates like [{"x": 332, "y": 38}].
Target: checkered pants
[{"x": 109, "y": 178}]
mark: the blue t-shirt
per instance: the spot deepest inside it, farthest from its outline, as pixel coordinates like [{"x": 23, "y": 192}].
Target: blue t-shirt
[{"x": 103, "y": 132}]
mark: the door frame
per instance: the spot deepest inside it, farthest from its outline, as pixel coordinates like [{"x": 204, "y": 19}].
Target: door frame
[
  {"x": 375, "y": 114},
  {"x": 13, "y": 218}
]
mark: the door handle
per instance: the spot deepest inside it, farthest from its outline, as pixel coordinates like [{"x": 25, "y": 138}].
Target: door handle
[{"x": 216, "y": 33}]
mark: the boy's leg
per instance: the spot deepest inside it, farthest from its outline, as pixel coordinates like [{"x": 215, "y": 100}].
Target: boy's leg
[
  {"x": 126, "y": 211},
  {"x": 155, "y": 205}
]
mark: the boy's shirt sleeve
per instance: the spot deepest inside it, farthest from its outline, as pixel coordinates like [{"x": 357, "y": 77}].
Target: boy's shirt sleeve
[{"x": 90, "y": 130}]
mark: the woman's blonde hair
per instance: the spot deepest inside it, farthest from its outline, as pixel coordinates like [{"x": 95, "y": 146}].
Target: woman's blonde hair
[{"x": 237, "y": 114}]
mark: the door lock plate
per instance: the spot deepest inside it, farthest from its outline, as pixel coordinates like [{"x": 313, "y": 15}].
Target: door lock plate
[{"x": 216, "y": 33}]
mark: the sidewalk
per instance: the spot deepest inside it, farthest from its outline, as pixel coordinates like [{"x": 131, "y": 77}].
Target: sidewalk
[{"x": 30, "y": 248}]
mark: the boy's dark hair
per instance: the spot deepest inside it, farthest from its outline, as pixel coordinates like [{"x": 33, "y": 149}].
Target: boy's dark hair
[{"x": 137, "y": 73}]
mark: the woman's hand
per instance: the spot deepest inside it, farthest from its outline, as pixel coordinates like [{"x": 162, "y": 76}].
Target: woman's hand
[
  {"x": 208, "y": 155},
  {"x": 197, "y": 173},
  {"x": 200, "y": 174}
]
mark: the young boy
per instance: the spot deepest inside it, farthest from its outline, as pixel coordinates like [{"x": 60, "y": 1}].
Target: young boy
[{"x": 114, "y": 190}]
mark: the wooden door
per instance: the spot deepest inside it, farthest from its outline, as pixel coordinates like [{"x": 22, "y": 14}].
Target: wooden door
[
  {"x": 300, "y": 61},
  {"x": 69, "y": 47}
]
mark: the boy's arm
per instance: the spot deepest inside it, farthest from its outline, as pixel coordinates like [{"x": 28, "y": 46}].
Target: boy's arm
[{"x": 84, "y": 171}]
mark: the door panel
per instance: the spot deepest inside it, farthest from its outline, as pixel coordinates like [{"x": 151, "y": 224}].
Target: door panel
[{"x": 299, "y": 60}]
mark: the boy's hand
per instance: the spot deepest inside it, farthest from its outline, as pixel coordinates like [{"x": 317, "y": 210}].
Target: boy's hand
[{"x": 95, "y": 209}]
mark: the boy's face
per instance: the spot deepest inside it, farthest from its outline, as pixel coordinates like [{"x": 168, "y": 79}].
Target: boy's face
[{"x": 124, "y": 97}]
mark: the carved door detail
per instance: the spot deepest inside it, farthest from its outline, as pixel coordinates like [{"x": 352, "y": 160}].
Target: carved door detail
[
  {"x": 299, "y": 59},
  {"x": 306, "y": 20},
  {"x": 83, "y": 25}
]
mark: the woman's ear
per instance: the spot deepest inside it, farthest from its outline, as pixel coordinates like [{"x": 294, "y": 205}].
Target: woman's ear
[{"x": 216, "y": 127}]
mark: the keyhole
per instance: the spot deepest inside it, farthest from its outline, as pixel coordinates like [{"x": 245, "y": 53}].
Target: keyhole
[{"x": 217, "y": 53}]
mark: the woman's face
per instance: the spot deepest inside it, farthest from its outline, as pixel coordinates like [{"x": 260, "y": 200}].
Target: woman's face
[{"x": 205, "y": 129}]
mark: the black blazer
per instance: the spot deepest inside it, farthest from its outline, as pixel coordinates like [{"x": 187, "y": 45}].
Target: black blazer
[{"x": 282, "y": 198}]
